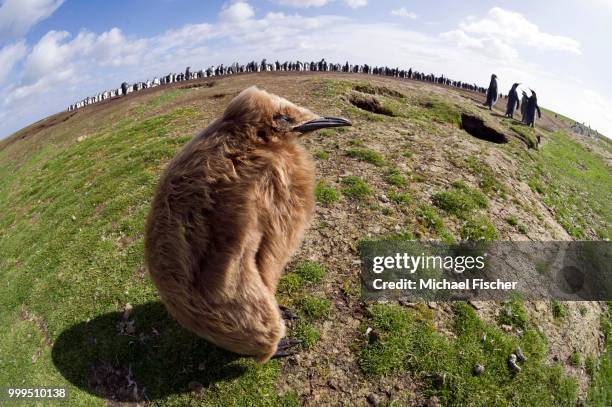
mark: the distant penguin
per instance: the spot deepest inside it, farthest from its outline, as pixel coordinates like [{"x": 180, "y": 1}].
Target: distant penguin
[
  {"x": 531, "y": 109},
  {"x": 524, "y": 99},
  {"x": 513, "y": 100},
  {"x": 492, "y": 93}
]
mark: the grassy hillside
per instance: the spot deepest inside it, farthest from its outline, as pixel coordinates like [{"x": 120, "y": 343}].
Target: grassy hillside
[{"x": 78, "y": 310}]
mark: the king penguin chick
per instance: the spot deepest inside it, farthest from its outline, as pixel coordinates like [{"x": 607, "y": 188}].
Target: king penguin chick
[{"x": 229, "y": 211}]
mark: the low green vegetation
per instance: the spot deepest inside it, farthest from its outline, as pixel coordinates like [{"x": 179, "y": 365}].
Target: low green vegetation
[
  {"x": 367, "y": 155},
  {"x": 310, "y": 271},
  {"x": 460, "y": 200},
  {"x": 575, "y": 182},
  {"x": 407, "y": 342},
  {"x": 513, "y": 313},
  {"x": 356, "y": 188},
  {"x": 513, "y": 221},
  {"x": 558, "y": 309},
  {"x": 399, "y": 198},
  {"x": 526, "y": 133},
  {"x": 326, "y": 194},
  {"x": 395, "y": 177},
  {"x": 316, "y": 308},
  {"x": 600, "y": 391},
  {"x": 488, "y": 180},
  {"x": 322, "y": 155},
  {"x": 478, "y": 227},
  {"x": 308, "y": 333},
  {"x": 442, "y": 111}
]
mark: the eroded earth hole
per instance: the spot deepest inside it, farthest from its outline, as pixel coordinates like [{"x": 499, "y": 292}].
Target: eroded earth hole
[
  {"x": 369, "y": 103},
  {"x": 477, "y": 128}
]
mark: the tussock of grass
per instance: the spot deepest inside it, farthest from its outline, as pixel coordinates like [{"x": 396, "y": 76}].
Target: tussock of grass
[
  {"x": 460, "y": 200},
  {"x": 356, "y": 188},
  {"x": 399, "y": 198},
  {"x": 442, "y": 111},
  {"x": 395, "y": 177},
  {"x": 558, "y": 309},
  {"x": 478, "y": 228},
  {"x": 326, "y": 194},
  {"x": 308, "y": 333},
  {"x": 316, "y": 308},
  {"x": 322, "y": 155},
  {"x": 367, "y": 155},
  {"x": 408, "y": 342},
  {"x": 310, "y": 271},
  {"x": 513, "y": 313}
]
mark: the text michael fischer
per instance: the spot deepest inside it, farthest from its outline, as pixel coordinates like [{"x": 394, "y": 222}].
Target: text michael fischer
[{"x": 433, "y": 284}]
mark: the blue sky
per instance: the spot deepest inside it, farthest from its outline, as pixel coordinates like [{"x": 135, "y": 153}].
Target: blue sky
[{"x": 54, "y": 52}]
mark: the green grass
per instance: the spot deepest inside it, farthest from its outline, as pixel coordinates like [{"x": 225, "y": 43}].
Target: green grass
[
  {"x": 442, "y": 111},
  {"x": 395, "y": 177},
  {"x": 308, "y": 333},
  {"x": 558, "y": 309},
  {"x": 575, "y": 183},
  {"x": 71, "y": 238},
  {"x": 315, "y": 308},
  {"x": 367, "y": 155},
  {"x": 514, "y": 314},
  {"x": 325, "y": 194},
  {"x": 310, "y": 271},
  {"x": 399, "y": 198},
  {"x": 356, "y": 188},
  {"x": 527, "y": 133},
  {"x": 488, "y": 180},
  {"x": 322, "y": 155},
  {"x": 460, "y": 200},
  {"x": 478, "y": 228},
  {"x": 408, "y": 342}
]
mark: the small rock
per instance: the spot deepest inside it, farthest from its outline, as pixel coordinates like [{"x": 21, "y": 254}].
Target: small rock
[
  {"x": 373, "y": 399},
  {"x": 519, "y": 354},
  {"x": 484, "y": 337},
  {"x": 476, "y": 304},
  {"x": 478, "y": 370},
  {"x": 512, "y": 363},
  {"x": 383, "y": 198},
  {"x": 506, "y": 328},
  {"x": 432, "y": 305}
]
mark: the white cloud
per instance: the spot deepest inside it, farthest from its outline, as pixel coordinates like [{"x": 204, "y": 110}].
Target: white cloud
[
  {"x": 63, "y": 68},
  {"x": 18, "y": 16},
  {"x": 515, "y": 30},
  {"x": 10, "y": 55},
  {"x": 237, "y": 12},
  {"x": 404, "y": 12},
  {"x": 320, "y": 3}
]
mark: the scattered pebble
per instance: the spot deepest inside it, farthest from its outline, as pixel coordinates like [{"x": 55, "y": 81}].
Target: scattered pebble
[
  {"x": 478, "y": 370},
  {"x": 519, "y": 354},
  {"x": 506, "y": 328},
  {"x": 432, "y": 305},
  {"x": 512, "y": 363}
]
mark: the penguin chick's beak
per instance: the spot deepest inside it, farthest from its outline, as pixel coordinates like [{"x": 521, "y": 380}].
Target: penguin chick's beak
[{"x": 321, "y": 123}]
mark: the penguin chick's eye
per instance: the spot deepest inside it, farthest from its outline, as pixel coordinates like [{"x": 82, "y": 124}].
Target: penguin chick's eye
[{"x": 283, "y": 119}]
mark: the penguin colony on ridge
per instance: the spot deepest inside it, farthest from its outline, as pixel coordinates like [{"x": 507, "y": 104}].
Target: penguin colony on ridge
[
  {"x": 264, "y": 66},
  {"x": 229, "y": 211}
]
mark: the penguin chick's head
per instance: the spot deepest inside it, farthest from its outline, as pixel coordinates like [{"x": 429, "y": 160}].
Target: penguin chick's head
[{"x": 273, "y": 117}]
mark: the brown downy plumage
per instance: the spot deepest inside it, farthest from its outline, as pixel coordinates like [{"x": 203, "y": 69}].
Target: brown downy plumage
[{"x": 229, "y": 211}]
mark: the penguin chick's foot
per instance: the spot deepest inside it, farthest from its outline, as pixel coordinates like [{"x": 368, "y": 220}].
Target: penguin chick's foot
[
  {"x": 287, "y": 314},
  {"x": 286, "y": 347}
]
